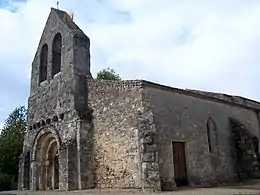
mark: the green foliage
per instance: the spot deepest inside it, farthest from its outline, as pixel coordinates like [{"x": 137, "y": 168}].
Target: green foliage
[
  {"x": 11, "y": 142},
  {"x": 5, "y": 182},
  {"x": 108, "y": 74}
]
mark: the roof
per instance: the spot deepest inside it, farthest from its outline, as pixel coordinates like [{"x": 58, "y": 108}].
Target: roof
[{"x": 231, "y": 99}]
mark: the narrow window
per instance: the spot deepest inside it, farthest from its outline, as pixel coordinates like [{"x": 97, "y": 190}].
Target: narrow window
[
  {"x": 212, "y": 135},
  {"x": 208, "y": 135},
  {"x": 43, "y": 63},
  {"x": 56, "y": 54}
]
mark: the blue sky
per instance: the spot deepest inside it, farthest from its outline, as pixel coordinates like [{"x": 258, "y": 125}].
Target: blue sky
[{"x": 208, "y": 45}]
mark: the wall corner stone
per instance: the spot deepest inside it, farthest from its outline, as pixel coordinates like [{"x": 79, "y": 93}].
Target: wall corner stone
[{"x": 149, "y": 158}]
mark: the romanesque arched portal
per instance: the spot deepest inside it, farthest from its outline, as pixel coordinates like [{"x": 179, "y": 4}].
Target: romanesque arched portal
[{"x": 46, "y": 171}]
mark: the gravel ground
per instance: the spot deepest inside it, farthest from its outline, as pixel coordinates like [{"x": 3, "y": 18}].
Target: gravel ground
[{"x": 249, "y": 188}]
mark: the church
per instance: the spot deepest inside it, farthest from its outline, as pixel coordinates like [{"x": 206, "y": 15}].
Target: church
[{"x": 83, "y": 133}]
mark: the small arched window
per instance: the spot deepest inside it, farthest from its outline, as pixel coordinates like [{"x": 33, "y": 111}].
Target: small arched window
[
  {"x": 56, "y": 54},
  {"x": 43, "y": 63},
  {"x": 212, "y": 135}
]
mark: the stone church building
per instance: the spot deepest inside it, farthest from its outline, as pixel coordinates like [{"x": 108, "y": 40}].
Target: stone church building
[{"x": 83, "y": 133}]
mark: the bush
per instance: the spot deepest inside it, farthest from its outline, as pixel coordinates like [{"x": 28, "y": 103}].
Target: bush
[
  {"x": 5, "y": 182},
  {"x": 108, "y": 74}
]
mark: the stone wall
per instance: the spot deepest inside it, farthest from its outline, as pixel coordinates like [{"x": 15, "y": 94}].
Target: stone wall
[
  {"x": 116, "y": 151},
  {"x": 182, "y": 117}
]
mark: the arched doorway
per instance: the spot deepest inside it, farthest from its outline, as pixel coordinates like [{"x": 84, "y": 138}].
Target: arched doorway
[{"x": 47, "y": 158}]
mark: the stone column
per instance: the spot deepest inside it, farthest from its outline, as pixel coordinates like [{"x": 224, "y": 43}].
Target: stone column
[
  {"x": 63, "y": 168},
  {"x": 48, "y": 182},
  {"x": 33, "y": 178},
  {"x": 52, "y": 174},
  {"x": 42, "y": 174}
]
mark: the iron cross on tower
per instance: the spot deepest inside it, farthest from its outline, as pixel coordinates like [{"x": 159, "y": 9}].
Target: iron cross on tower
[{"x": 58, "y": 4}]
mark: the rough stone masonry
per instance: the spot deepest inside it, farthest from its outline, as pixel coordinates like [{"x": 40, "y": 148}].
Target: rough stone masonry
[{"x": 83, "y": 133}]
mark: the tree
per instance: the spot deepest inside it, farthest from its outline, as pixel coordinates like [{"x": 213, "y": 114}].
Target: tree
[
  {"x": 11, "y": 142},
  {"x": 108, "y": 74}
]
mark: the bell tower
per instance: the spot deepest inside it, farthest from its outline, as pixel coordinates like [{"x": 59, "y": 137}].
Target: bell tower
[
  {"x": 57, "y": 109},
  {"x": 63, "y": 49}
]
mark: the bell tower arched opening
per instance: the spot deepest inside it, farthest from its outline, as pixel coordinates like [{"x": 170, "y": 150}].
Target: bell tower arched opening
[
  {"x": 56, "y": 54},
  {"x": 43, "y": 63}
]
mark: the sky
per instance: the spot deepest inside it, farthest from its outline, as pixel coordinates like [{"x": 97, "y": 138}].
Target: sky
[{"x": 205, "y": 45}]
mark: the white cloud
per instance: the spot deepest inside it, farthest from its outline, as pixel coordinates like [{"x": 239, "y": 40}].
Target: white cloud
[{"x": 210, "y": 45}]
